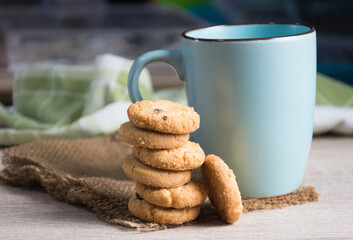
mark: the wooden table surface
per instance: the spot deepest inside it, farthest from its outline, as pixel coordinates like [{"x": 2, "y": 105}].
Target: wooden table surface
[{"x": 26, "y": 214}]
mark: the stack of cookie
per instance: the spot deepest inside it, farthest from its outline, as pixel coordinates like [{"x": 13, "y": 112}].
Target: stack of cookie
[{"x": 162, "y": 160}]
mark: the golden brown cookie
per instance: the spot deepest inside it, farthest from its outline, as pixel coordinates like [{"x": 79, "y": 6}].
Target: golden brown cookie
[
  {"x": 191, "y": 194},
  {"x": 142, "y": 173},
  {"x": 151, "y": 213},
  {"x": 164, "y": 116},
  {"x": 187, "y": 157},
  {"x": 222, "y": 188},
  {"x": 150, "y": 139}
]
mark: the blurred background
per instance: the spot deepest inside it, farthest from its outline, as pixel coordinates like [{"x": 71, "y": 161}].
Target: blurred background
[{"x": 74, "y": 32}]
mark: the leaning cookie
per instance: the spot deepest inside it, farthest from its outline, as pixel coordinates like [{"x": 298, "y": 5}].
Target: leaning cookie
[
  {"x": 151, "y": 213},
  {"x": 191, "y": 194},
  {"x": 187, "y": 157},
  {"x": 222, "y": 188},
  {"x": 150, "y": 139},
  {"x": 164, "y": 116},
  {"x": 142, "y": 173}
]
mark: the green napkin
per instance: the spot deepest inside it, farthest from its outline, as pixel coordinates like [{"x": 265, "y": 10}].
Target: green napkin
[
  {"x": 69, "y": 101},
  {"x": 330, "y": 92},
  {"x": 334, "y": 106}
]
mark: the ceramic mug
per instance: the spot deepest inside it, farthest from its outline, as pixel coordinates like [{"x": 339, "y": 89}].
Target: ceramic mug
[{"x": 254, "y": 88}]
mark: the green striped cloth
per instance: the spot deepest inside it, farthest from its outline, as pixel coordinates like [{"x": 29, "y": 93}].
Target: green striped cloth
[
  {"x": 69, "y": 101},
  {"x": 75, "y": 101},
  {"x": 334, "y": 106}
]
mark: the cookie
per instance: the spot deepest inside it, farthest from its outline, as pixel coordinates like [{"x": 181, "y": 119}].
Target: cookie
[
  {"x": 164, "y": 116},
  {"x": 222, "y": 188},
  {"x": 187, "y": 157},
  {"x": 191, "y": 194},
  {"x": 150, "y": 139},
  {"x": 142, "y": 173},
  {"x": 151, "y": 213}
]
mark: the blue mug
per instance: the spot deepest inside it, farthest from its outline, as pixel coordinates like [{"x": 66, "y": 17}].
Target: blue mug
[{"x": 254, "y": 88}]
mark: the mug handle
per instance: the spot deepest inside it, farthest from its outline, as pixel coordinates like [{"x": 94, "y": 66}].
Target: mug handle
[{"x": 172, "y": 57}]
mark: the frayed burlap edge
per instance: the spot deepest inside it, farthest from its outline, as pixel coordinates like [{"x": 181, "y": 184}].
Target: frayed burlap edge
[
  {"x": 108, "y": 198},
  {"x": 91, "y": 192}
]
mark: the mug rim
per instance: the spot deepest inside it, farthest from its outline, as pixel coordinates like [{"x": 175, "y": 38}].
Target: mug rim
[{"x": 311, "y": 29}]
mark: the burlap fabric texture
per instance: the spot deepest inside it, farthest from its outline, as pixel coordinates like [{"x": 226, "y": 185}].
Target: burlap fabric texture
[{"x": 88, "y": 172}]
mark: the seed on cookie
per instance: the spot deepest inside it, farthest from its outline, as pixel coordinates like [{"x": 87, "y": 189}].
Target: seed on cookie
[
  {"x": 189, "y": 195},
  {"x": 164, "y": 116},
  {"x": 150, "y": 139},
  {"x": 222, "y": 188},
  {"x": 187, "y": 157},
  {"x": 157, "y": 110},
  {"x": 142, "y": 173},
  {"x": 151, "y": 213}
]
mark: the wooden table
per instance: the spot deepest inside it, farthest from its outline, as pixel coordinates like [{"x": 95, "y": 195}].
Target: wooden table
[{"x": 26, "y": 214}]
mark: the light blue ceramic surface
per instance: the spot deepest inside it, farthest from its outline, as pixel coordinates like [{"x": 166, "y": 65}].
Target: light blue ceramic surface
[{"x": 254, "y": 88}]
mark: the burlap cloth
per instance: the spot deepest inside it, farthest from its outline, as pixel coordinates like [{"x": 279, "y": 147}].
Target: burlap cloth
[{"x": 88, "y": 172}]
